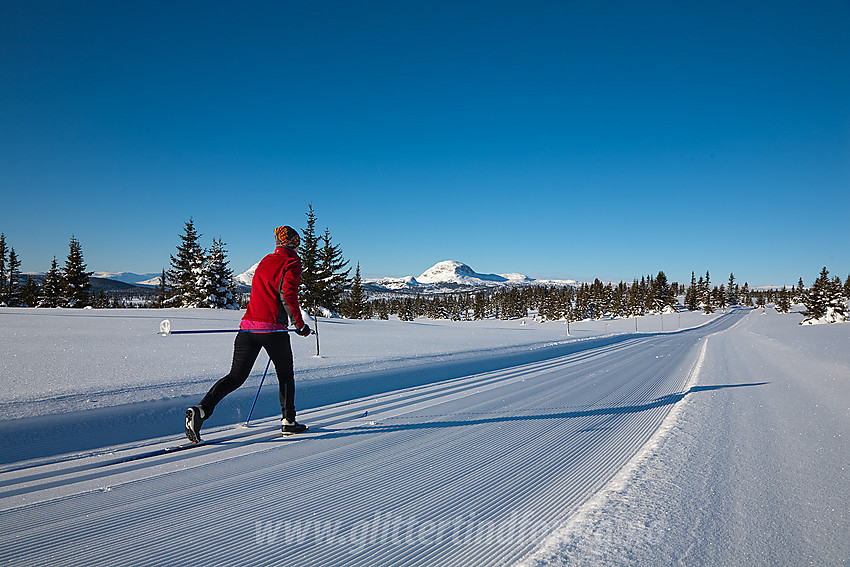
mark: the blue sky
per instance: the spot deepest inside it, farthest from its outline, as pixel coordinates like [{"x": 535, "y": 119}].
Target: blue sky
[{"x": 557, "y": 139}]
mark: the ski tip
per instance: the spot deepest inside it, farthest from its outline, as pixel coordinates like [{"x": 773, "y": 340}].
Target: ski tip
[
  {"x": 365, "y": 413},
  {"x": 165, "y": 328}
]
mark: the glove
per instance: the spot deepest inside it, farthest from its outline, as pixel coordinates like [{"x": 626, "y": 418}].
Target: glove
[{"x": 303, "y": 331}]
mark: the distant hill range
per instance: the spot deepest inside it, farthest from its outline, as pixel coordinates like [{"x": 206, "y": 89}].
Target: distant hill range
[
  {"x": 124, "y": 283},
  {"x": 106, "y": 282},
  {"x": 443, "y": 277},
  {"x": 143, "y": 280}
]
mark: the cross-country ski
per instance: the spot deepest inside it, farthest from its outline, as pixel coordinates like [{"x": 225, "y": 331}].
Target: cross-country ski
[{"x": 158, "y": 452}]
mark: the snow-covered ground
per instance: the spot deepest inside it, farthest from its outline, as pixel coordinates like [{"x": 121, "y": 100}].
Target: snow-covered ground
[
  {"x": 63, "y": 360},
  {"x": 753, "y": 470},
  {"x": 432, "y": 443}
]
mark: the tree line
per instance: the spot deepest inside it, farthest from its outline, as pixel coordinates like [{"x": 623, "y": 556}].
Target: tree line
[
  {"x": 650, "y": 294},
  {"x": 201, "y": 277},
  {"x": 61, "y": 287}
]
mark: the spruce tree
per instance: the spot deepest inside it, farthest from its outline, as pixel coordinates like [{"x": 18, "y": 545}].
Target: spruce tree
[
  {"x": 418, "y": 308},
  {"x": 76, "y": 286},
  {"x": 444, "y": 307},
  {"x": 50, "y": 294},
  {"x": 4, "y": 252},
  {"x": 518, "y": 309},
  {"x": 746, "y": 297},
  {"x": 692, "y": 295},
  {"x": 548, "y": 305},
  {"x": 620, "y": 300},
  {"x": 707, "y": 302},
  {"x": 406, "y": 310},
  {"x": 13, "y": 288},
  {"x": 815, "y": 298},
  {"x": 310, "y": 292},
  {"x": 661, "y": 289},
  {"x": 323, "y": 277},
  {"x": 721, "y": 298},
  {"x": 186, "y": 269},
  {"x": 333, "y": 275},
  {"x": 216, "y": 280},
  {"x": 100, "y": 300},
  {"x": 381, "y": 307},
  {"x": 634, "y": 306},
  {"x": 783, "y": 302},
  {"x": 161, "y": 291},
  {"x": 479, "y": 309},
  {"x": 356, "y": 304},
  {"x": 801, "y": 291},
  {"x": 835, "y": 308},
  {"x": 732, "y": 291},
  {"x": 456, "y": 305},
  {"x": 29, "y": 292}
]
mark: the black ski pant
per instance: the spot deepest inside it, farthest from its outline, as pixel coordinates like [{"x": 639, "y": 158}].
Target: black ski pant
[{"x": 246, "y": 348}]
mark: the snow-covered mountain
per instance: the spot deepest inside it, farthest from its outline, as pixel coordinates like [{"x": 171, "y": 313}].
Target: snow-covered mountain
[
  {"x": 245, "y": 277},
  {"x": 151, "y": 282},
  {"x": 451, "y": 275},
  {"x": 451, "y": 271}
]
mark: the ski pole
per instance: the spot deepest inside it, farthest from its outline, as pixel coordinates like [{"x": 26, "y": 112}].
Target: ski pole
[
  {"x": 165, "y": 330},
  {"x": 258, "y": 392},
  {"x": 316, "y": 330}
]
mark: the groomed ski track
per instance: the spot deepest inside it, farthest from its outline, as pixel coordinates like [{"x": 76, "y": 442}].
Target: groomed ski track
[{"x": 475, "y": 470}]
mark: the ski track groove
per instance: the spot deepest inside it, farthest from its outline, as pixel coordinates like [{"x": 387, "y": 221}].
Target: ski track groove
[{"x": 478, "y": 447}]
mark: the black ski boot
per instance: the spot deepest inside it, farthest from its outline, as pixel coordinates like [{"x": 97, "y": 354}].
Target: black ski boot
[
  {"x": 194, "y": 419},
  {"x": 292, "y": 427}
]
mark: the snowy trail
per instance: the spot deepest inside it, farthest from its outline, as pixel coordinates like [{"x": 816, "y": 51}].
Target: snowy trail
[
  {"x": 475, "y": 470},
  {"x": 752, "y": 471}
]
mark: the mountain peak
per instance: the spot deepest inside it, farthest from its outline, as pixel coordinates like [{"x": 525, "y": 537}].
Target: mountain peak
[
  {"x": 454, "y": 272},
  {"x": 447, "y": 270}
]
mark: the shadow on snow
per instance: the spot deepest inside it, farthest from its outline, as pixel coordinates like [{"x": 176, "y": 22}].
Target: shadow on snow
[{"x": 666, "y": 400}]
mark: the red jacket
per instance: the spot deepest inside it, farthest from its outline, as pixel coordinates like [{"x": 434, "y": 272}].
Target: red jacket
[{"x": 274, "y": 290}]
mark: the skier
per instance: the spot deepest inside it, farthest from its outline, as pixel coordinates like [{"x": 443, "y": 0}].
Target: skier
[{"x": 273, "y": 304}]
